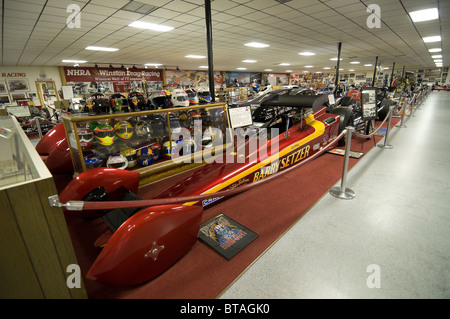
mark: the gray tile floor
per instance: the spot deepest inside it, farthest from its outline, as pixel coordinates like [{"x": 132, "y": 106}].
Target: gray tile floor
[{"x": 391, "y": 241}]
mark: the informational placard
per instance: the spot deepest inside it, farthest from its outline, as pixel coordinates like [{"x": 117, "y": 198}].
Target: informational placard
[
  {"x": 240, "y": 116},
  {"x": 369, "y": 103},
  {"x": 19, "y": 110},
  {"x": 67, "y": 92},
  {"x": 331, "y": 99}
]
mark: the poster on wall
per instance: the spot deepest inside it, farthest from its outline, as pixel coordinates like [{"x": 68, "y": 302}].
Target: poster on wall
[
  {"x": 18, "y": 85},
  {"x": 191, "y": 79},
  {"x": 369, "y": 103},
  {"x": 3, "y": 88},
  {"x": 276, "y": 79},
  {"x": 240, "y": 79},
  {"x": 225, "y": 235}
]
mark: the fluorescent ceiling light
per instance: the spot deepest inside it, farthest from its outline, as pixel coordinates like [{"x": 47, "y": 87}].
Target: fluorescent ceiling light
[
  {"x": 351, "y": 70},
  {"x": 241, "y": 68},
  {"x": 153, "y": 64},
  {"x": 94, "y": 48},
  {"x": 256, "y": 45},
  {"x": 268, "y": 69},
  {"x": 355, "y": 62},
  {"x": 435, "y": 50},
  {"x": 289, "y": 71},
  {"x": 439, "y": 65},
  {"x": 424, "y": 15},
  {"x": 249, "y": 61},
  {"x": 309, "y": 66},
  {"x": 368, "y": 64},
  {"x": 386, "y": 68},
  {"x": 193, "y": 56},
  {"x": 438, "y": 61},
  {"x": 335, "y": 59},
  {"x": 436, "y": 56},
  {"x": 318, "y": 72},
  {"x": 150, "y": 26},
  {"x": 307, "y": 53},
  {"x": 203, "y": 66},
  {"x": 341, "y": 69},
  {"x": 432, "y": 39},
  {"x": 326, "y": 68},
  {"x": 74, "y": 61},
  {"x": 284, "y": 64}
]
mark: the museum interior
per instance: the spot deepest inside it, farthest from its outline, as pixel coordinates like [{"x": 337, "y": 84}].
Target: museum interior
[{"x": 224, "y": 149}]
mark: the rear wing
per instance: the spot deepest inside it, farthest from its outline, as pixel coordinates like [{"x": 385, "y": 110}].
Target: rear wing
[{"x": 297, "y": 101}]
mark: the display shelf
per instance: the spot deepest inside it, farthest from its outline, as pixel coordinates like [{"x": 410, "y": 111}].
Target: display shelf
[
  {"x": 35, "y": 245},
  {"x": 149, "y": 140}
]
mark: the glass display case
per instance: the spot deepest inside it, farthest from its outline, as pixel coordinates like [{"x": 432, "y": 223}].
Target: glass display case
[
  {"x": 144, "y": 141},
  {"x": 16, "y": 161}
]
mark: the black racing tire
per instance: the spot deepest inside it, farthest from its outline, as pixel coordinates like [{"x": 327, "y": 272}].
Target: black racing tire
[
  {"x": 384, "y": 109},
  {"x": 347, "y": 118}
]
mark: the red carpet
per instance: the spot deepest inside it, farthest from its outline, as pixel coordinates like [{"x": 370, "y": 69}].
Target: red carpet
[{"x": 269, "y": 210}]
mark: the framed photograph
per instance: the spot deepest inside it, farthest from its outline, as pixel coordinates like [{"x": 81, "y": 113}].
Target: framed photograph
[
  {"x": 18, "y": 96},
  {"x": 369, "y": 103},
  {"x": 5, "y": 99},
  {"x": 18, "y": 85},
  {"x": 225, "y": 235},
  {"x": 3, "y": 88}
]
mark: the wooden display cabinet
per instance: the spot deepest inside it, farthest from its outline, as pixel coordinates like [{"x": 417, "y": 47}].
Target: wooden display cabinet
[{"x": 35, "y": 245}]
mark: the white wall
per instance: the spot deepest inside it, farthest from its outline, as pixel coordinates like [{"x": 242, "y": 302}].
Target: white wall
[{"x": 32, "y": 73}]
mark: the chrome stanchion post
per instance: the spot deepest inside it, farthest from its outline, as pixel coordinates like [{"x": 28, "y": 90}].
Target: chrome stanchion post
[
  {"x": 38, "y": 126},
  {"x": 343, "y": 192},
  {"x": 403, "y": 116},
  {"x": 385, "y": 145}
]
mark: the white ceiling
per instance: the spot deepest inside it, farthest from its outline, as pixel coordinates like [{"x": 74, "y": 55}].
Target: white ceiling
[{"x": 35, "y": 33}]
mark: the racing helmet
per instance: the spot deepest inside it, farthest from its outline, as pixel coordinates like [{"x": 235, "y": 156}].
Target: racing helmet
[
  {"x": 104, "y": 134},
  {"x": 143, "y": 129},
  {"x": 158, "y": 100},
  {"x": 86, "y": 137},
  {"x": 204, "y": 96},
  {"x": 168, "y": 148},
  {"x": 91, "y": 161},
  {"x": 156, "y": 151},
  {"x": 192, "y": 96},
  {"x": 118, "y": 161},
  {"x": 145, "y": 155},
  {"x": 131, "y": 156},
  {"x": 179, "y": 98},
  {"x": 124, "y": 130}
]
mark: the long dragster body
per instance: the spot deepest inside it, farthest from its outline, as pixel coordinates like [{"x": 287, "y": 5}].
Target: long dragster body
[{"x": 142, "y": 242}]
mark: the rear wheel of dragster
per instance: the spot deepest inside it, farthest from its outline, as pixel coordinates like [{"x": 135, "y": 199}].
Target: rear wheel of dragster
[{"x": 347, "y": 119}]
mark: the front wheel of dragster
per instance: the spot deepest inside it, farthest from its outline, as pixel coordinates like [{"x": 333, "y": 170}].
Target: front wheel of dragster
[{"x": 347, "y": 119}]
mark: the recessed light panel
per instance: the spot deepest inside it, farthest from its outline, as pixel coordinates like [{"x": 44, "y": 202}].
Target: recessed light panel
[
  {"x": 436, "y": 38},
  {"x": 95, "y": 48},
  {"x": 249, "y": 61},
  {"x": 435, "y": 50},
  {"x": 256, "y": 45},
  {"x": 74, "y": 61},
  {"x": 193, "y": 56},
  {"x": 150, "y": 26},
  {"x": 424, "y": 15},
  {"x": 307, "y": 53}
]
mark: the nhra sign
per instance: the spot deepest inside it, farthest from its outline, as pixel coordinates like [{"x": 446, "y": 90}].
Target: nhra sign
[{"x": 91, "y": 74}]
